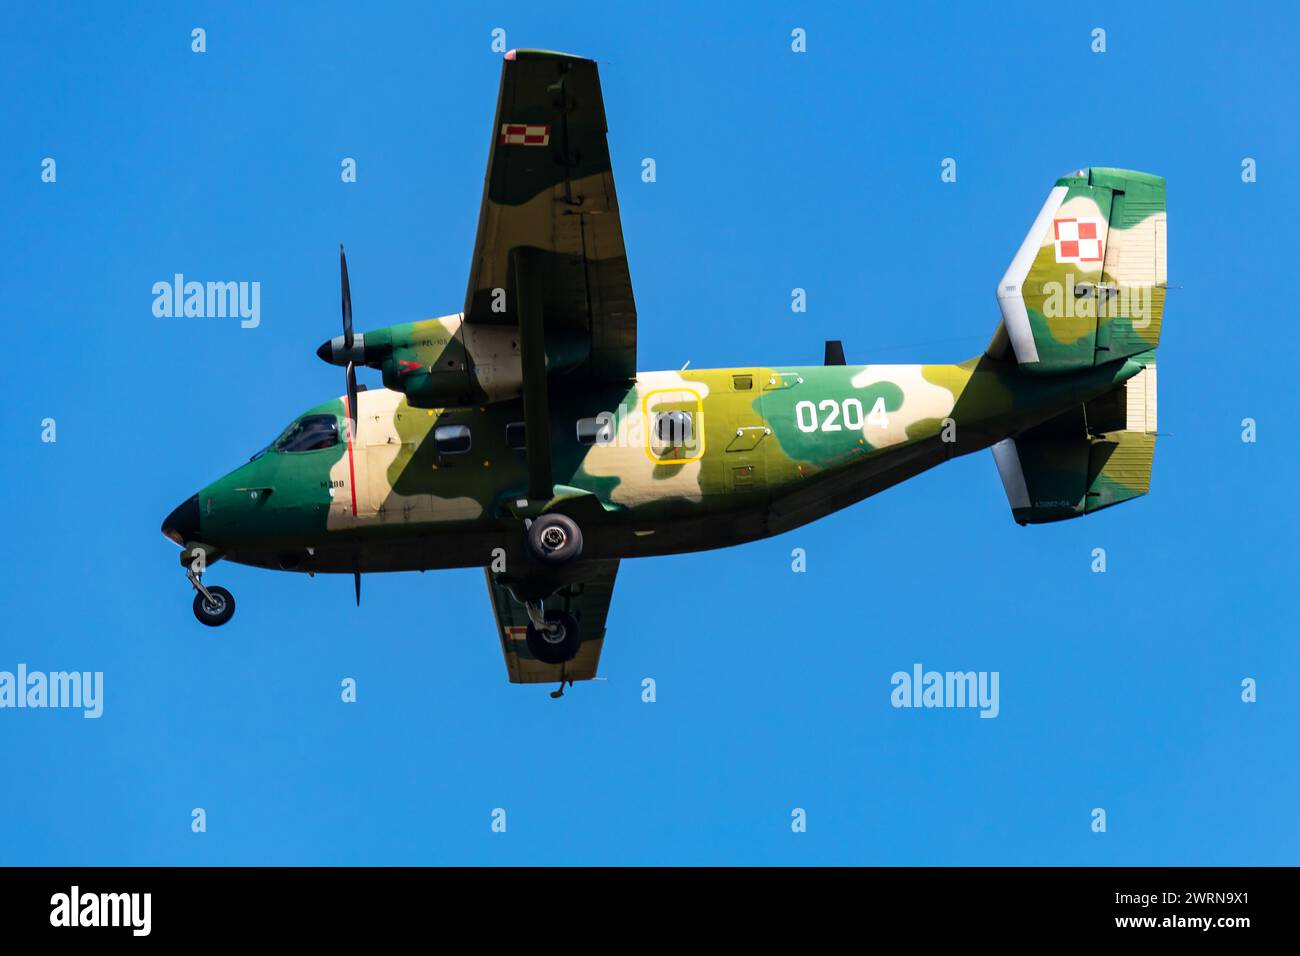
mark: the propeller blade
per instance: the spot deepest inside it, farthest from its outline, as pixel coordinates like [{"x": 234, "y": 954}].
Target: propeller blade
[
  {"x": 352, "y": 402},
  {"x": 356, "y": 581},
  {"x": 834, "y": 352},
  {"x": 347, "y": 299},
  {"x": 350, "y": 407}
]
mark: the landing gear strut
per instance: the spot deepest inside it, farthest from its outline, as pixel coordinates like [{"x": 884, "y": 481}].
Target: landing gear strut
[{"x": 213, "y": 606}]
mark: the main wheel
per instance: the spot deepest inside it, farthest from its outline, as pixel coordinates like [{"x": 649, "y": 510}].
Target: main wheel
[
  {"x": 554, "y": 539},
  {"x": 216, "y": 612},
  {"x": 557, "y": 644}
]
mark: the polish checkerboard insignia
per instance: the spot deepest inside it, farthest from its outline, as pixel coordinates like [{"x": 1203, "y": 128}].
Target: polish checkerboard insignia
[
  {"x": 522, "y": 134},
  {"x": 1078, "y": 240}
]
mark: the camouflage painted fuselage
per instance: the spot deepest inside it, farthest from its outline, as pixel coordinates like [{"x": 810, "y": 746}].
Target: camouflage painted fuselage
[
  {"x": 525, "y": 407},
  {"x": 770, "y": 449}
]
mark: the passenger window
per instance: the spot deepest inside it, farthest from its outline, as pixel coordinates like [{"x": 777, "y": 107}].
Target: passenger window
[
  {"x": 674, "y": 432},
  {"x": 452, "y": 439},
  {"x": 516, "y": 436},
  {"x": 596, "y": 431},
  {"x": 675, "y": 429},
  {"x": 313, "y": 433}
]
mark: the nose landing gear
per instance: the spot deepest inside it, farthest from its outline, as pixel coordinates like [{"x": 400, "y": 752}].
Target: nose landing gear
[{"x": 213, "y": 606}]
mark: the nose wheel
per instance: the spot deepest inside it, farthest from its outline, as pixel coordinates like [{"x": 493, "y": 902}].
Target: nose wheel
[
  {"x": 215, "y": 609},
  {"x": 213, "y": 606}
]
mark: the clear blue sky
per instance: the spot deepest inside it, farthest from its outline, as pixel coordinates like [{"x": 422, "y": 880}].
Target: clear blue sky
[{"x": 775, "y": 170}]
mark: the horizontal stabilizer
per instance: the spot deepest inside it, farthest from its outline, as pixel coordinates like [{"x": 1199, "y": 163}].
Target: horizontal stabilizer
[{"x": 1089, "y": 458}]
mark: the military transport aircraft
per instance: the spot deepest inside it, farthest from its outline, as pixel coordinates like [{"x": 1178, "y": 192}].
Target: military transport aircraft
[{"x": 519, "y": 437}]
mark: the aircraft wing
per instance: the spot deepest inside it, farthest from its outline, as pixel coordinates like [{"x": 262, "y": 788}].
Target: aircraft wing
[
  {"x": 587, "y": 602},
  {"x": 549, "y": 193}
]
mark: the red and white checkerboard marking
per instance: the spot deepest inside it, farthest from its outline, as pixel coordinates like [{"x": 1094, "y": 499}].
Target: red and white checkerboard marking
[
  {"x": 1078, "y": 240},
  {"x": 521, "y": 134}
]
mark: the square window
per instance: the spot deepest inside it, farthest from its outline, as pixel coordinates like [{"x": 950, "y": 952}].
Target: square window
[{"x": 452, "y": 439}]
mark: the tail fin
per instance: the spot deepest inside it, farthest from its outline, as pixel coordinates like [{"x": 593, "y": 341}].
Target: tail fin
[
  {"x": 1087, "y": 286},
  {"x": 1094, "y": 456}
]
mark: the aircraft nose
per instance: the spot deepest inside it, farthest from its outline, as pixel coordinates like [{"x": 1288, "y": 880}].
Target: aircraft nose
[{"x": 183, "y": 523}]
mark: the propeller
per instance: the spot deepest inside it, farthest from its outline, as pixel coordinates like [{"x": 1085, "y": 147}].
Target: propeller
[
  {"x": 347, "y": 347},
  {"x": 351, "y": 373},
  {"x": 350, "y": 401},
  {"x": 331, "y": 352}
]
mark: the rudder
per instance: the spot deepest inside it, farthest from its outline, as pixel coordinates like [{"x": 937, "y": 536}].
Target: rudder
[{"x": 1087, "y": 285}]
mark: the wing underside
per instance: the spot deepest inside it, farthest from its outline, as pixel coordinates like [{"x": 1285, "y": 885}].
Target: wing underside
[{"x": 550, "y": 190}]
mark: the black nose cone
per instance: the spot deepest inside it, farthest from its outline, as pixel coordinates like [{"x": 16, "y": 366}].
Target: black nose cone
[
  {"x": 183, "y": 523},
  {"x": 325, "y": 352}
]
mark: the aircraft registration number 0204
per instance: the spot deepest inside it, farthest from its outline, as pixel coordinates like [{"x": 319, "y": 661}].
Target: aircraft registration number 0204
[{"x": 829, "y": 415}]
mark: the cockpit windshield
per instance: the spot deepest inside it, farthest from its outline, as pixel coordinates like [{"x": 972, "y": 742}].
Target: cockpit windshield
[{"x": 310, "y": 433}]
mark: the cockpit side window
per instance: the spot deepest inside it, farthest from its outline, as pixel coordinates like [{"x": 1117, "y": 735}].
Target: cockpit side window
[{"x": 312, "y": 433}]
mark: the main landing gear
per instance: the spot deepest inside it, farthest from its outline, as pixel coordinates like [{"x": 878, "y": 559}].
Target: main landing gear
[
  {"x": 213, "y": 606},
  {"x": 554, "y": 539},
  {"x": 553, "y": 637}
]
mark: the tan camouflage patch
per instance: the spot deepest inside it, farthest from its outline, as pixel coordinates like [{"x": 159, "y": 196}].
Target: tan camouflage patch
[{"x": 922, "y": 400}]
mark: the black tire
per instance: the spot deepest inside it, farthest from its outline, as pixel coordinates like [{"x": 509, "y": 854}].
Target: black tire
[
  {"x": 559, "y": 645},
  {"x": 554, "y": 539},
  {"x": 218, "y": 613}
]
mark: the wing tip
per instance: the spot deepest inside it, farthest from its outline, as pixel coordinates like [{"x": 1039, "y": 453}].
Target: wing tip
[{"x": 513, "y": 55}]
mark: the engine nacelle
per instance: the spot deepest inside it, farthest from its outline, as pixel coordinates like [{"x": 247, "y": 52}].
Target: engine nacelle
[
  {"x": 444, "y": 362},
  {"x": 438, "y": 362}
]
